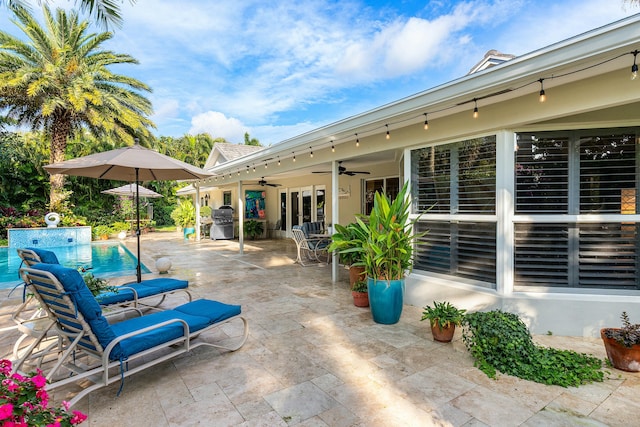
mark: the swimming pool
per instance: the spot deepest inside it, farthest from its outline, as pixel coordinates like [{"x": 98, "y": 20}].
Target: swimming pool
[{"x": 106, "y": 259}]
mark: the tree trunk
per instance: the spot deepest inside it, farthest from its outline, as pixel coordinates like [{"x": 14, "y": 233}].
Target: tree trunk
[{"x": 60, "y": 131}]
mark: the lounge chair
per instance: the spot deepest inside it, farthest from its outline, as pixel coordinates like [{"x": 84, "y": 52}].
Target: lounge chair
[
  {"x": 309, "y": 249},
  {"x": 104, "y": 353},
  {"x": 34, "y": 344},
  {"x": 135, "y": 294}
]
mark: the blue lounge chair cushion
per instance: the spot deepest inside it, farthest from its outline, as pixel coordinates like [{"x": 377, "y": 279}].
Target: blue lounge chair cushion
[
  {"x": 144, "y": 289},
  {"x": 197, "y": 314},
  {"x": 47, "y": 257},
  {"x": 76, "y": 288}
]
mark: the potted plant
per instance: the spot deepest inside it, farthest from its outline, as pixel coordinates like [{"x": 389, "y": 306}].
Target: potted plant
[
  {"x": 348, "y": 242},
  {"x": 101, "y": 231},
  {"x": 623, "y": 345},
  {"x": 443, "y": 317},
  {"x": 359, "y": 293},
  {"x": 184, "y": 215},
  {"x": 387, "y": 254},
  {"x": 253, "y": 229}
]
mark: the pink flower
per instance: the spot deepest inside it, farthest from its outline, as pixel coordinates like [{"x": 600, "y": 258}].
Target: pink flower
[
  {"x": 17, "y": 377},
  {"x": 5, "y": 366},
  {"x": 56, "y": 423},
  {"x": 65, "y": 405},
  {"x": 6, "y": 411},
  {"x": 10, "y": 385},
  {"x": 78, "y": 417},
  {"x": 39, "y": 381}
]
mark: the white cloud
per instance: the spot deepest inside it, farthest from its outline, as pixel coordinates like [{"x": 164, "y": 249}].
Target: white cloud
[{"x": 218, "y": 125}]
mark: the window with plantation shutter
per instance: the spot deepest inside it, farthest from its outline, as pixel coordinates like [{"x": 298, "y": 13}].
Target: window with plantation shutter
[
  {"x": 577, "y": 173},
  {"x": 452, "y": 179}
]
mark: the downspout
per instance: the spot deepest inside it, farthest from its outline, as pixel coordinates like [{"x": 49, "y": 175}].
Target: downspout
[{"x": 197, "y": 186}]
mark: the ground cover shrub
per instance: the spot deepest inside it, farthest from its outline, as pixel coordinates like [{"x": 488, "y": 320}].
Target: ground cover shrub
[{"x": 500, "y": 341}]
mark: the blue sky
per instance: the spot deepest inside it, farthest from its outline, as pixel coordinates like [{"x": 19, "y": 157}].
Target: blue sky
[{"x": 280, "y": 68}]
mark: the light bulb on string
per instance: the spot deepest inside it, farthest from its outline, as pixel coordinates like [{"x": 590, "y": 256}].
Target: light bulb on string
[
  {"x": 265, "y": 165},
  {"x": 426, "y": 122},
  {"x": 543, "y": 96},
  {"x": 247, "y": 169},
  {"x": 388, "y": 136},
  {"x": 634, "y": 67},
  {"x": 333, "y": 147},
  {"x": 294, "y": 157},
  {"x": 278, "y": 160},
  {"x": 310, "y": 152},
  {"x": 357, "y": 141},
  {"x": 475, "y": 109}
]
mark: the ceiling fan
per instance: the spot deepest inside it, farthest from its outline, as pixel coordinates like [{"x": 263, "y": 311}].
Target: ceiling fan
[
  {"x": 262, "y": 183},
  {"x": 343, "y": 171}
]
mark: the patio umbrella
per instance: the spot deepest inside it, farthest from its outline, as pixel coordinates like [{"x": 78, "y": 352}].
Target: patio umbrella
[
  {"x": 130, "y": 191},
  {"x": 133, "y": 164}
]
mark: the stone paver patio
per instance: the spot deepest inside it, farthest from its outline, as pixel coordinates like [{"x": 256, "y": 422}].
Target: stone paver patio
[{"x": 314, "y": 359}]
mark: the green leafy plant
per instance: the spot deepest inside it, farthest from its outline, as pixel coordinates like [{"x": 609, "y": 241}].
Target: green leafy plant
[
  {"x": 348, "y": 241},
  {"x": 95, "y": 284},
  {"x": 500, "y": 341},
  {"x": 388, "y": 247},
  {"x": 101, "y": 230},
  {"x": 628, "y": 335},
  {"x": 443, "y": 314},
  {"x": 205, "y": 211},
  {"x": 184, "y": 215},
  {"x": 359, "y": 286},
  {"x": 253, "y": 228}
]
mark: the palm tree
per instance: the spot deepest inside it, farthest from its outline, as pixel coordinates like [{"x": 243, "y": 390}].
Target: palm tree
[
  {"x": 105, "y": 11},
  {"x": 59, "y": 82}
]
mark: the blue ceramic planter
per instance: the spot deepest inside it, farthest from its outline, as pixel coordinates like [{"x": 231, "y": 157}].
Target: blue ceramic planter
[
  {"x": 188, "y": 231},
  {"x": 386, "y": 299}
]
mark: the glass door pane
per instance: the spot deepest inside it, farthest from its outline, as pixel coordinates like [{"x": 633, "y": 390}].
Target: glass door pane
[
  {"x": 295, "y": 208},
  {"x": 306, "y": 205}
]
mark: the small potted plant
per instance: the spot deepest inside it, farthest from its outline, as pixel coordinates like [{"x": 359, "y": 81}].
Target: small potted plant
[
  {"x": 443, "y": 317},
  {"x": 184, "y": 215},
  {"x": 623, "y": 345},
  {"x": 359, "y": 293},
  {"x": 253, "y": 229}
]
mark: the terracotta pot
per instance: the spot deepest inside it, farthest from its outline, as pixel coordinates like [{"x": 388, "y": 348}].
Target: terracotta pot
[
  {"x": 444, "y": 334},
  {"x": 360, "y": 299},
  {"x": 621, "y": 357},
  {"x": 355, "y": 274}
]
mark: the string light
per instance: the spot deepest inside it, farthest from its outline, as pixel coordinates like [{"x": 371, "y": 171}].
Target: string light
[
  {"x": 475, "y": 109},
  {"x": 333, "y": 147},
  {"x": 278, "y": 160},
  {"x": 310, "y": 152},
  {"x": 543, "y": 96},
  {"x": 239, "y": 171},
  {"x": 265, "y": 165},
  {"x": 634, "y": 67},
  {"x": 254, "y": 167},
  {"x": 247, "y": 169},
  {"x": 294, "y": 156},
  {"x": 426, "y": 122},
  {"x": 388, "y": 134},
  {"x": 357, "y": 141}
]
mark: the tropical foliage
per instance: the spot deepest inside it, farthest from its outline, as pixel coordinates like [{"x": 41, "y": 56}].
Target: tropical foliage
[
  {"x": 443, "y": 314},
  {"x": 105, "y": 11},
  {"x": 60, "y": 81},
  {"x": 388, "y": 247}
]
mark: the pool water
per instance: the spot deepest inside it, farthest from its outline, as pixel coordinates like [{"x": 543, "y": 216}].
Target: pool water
[{"x": 106, "y": 259}]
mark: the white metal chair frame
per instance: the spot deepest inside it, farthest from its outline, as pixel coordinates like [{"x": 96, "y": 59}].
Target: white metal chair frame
[{"x": 306, "y": 253}]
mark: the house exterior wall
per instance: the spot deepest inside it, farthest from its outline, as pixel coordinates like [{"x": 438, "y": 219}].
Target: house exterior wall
[{"x": 608, "y": 101}]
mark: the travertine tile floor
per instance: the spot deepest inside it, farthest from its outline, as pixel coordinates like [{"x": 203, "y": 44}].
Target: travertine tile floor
[{"x": 314, "y": 359}]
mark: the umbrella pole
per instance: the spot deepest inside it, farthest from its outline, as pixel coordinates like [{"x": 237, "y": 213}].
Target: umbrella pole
[{"x": 138, "y": 270}]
